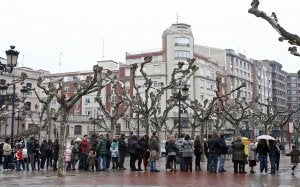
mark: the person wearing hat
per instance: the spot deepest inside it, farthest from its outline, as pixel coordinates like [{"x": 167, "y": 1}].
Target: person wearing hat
[{"x": 294, "y": 154}]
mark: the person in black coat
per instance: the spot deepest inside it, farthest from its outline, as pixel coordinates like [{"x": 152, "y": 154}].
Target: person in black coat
[
  {"x": 222, "y": 154},
  {"x": 133, "y": 149},
  {"x": 30, "y": 152},
  {"x": 55, "y": 154},
  {"x": 122, "y": 152}
]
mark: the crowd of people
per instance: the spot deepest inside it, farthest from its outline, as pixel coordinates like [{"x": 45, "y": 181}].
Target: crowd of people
[{"x": 104, "y": 153}]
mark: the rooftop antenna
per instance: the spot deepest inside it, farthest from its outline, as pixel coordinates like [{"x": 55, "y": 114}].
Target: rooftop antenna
[
  {"x": 103, "y": 49},
  {"x": 177, "y": 17},
  {"x": 23, "y": 60},
  {"x": 59, "y": 62}
]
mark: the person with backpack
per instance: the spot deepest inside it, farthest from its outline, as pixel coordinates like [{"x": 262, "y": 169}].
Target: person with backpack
[{"x": 49, "y": 154}]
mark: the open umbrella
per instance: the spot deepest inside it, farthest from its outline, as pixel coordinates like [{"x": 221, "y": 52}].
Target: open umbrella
[{"x": 266, "y": 137}]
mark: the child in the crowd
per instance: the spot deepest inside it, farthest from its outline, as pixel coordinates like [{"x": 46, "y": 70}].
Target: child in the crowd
[
  {"x": 91, "y": 160},
  {"x": 68, "y": 157},
  {"x": 19, "y": 156},
  {"x": 294, "y": 154},
  {"x": 114, "y": 153}
]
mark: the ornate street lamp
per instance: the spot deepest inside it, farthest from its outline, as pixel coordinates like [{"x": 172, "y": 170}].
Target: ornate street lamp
[
  {"x": 180, "y": 93},
  {"x": 12, "y": 57}
]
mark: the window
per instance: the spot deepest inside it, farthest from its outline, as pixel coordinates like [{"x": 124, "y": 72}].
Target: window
[
  {"x": 182, "y": 55},
  {"x": 127, "y": 72},
  {"x": 182, "y": 41},
  {"x": 67, "y": 89},
  {"x": 77, "y": 130},
  {"x": 87, "y": 101},
  {"x": 113, "y": 98},
  {"x": 202, "y": 84},
  {"x": 27, "y": 106}
]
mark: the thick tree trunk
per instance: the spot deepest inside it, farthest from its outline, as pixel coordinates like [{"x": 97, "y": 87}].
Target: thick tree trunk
[
  {"x": 202, "y": 125},
  {"x": 113, "y": 128},
  {"x": 193, "y": 132},
  {"x": 266, "y": 128},
  {"x": 281, "y": 134},
  {"x": 237, "y": 130},
  {"x": 49, "y": 116},
  {"x": 61, "y": 158}
]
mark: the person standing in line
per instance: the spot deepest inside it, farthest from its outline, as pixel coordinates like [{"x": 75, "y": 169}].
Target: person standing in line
[
  {"x": 122, "y": 152},
  {"x": 222, "y": 153},
  {"x": 143, "y": 144},
  {"x": 37, "y": 156},
  {"x": 44, "y": 148},
  {"x": 277, "y": 158},
  {"x": 19, "y": 156},
  {"x": 198, "y": 152},
  {"x": 205, "y": 146},
  {"x": 6, "y": 153},
  {"x": 114, "y": 150},
  {"x": 30, "y": 152},
  {"x": 154, "y": 152},
  {"x": 68, "y": 156},
  {"x": 273, "y": 152},
  {"x": 84, "y": 147},
  {"x": 262, "y": 150},
  {"x": 238, "y": 155},
  {"x": 55, "y": 154},
  {"x": 252, "y": 156},
  {"x": 179, "y": 144},
  {"x": 213, "y": 149},
  {"x": 171, "y": 149},
  {"x": 108, "y": 158},
  {"x": 294, "y": 154},
  {"x": 187, "y": 153},
  {"x": 102, "y": 153},
  {"x": 49, "y": 154},
  {"x": 75, "y": 153},
  {"x": 133, "y": 149}
]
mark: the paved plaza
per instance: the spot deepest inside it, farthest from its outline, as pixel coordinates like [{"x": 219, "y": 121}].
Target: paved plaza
[{"x": 163, "y": 178}]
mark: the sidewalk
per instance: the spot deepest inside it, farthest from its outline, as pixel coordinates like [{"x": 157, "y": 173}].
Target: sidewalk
[{"x": 163, "y": 178}]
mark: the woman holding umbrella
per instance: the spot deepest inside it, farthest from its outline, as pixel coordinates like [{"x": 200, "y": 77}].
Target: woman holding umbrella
[{"x": 262, "y": 150}]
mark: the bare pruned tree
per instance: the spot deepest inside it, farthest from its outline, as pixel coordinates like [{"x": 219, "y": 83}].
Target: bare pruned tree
[
  {"x": 293, "y": 39},
  {"x": 150, "y": 102},
  {"x": 82, "y": 88},
  {"x": 117, "y": 106}
]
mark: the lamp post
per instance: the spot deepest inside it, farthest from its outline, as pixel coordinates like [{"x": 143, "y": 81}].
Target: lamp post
[
  {"x": 12, "y": 57},
  {"x": 180, "y": 93}
]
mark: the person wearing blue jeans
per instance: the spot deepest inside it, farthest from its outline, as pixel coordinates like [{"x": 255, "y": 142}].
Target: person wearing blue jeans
[
  {"x": 213, "y": 162},
  {"x": 262, "y": 150},
  {"x": 213, "y": 150},
  {"x": 179, "y": 144},
  {"x": 222, "y": 153},
  {"x": 263, "y": 159}
]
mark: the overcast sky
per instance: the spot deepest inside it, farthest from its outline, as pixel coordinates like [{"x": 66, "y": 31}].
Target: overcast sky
[{"x": 42, "y": 29}]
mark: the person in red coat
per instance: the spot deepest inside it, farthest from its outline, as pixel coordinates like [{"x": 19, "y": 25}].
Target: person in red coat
[
  {"x": 84, "y": 147},
  {"x": 19, "y": 156}
]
